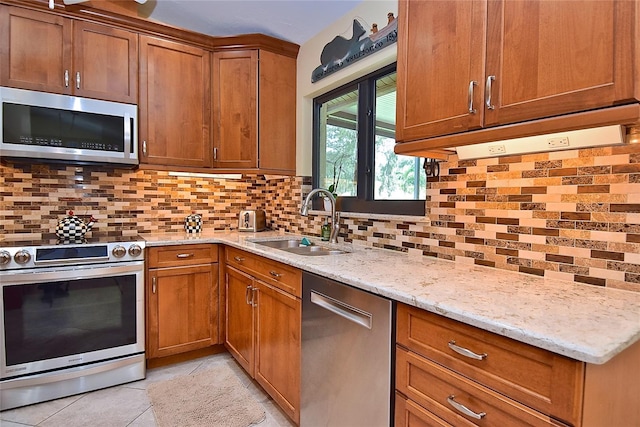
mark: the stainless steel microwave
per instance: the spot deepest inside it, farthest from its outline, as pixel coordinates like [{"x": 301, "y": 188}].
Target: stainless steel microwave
[{"x": 39, "y": 126}]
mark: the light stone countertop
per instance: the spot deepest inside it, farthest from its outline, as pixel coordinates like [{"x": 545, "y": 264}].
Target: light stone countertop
[{"x": 585, "y": 322}]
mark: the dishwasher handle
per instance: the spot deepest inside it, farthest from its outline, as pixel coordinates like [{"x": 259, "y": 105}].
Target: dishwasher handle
[{"x": 342, "y": 309}]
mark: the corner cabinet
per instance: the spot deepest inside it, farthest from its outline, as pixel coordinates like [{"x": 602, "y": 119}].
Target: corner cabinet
[
  {"x": 263, "y": 324},
  {"x": 71, "y": 57},
  {"x": 514, "y": 61},
  {"x": 182, "y": 299},
  {"x": 175, "y": 94},
  {"x": 254, "y": 104},
  {"x": 449, "y": 373}
]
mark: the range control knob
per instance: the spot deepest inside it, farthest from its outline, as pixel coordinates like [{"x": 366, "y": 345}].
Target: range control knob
[
  {"x": 119, "y": 251},
  {"x": 22, "y": 257},
  {"x": 5, "y": 257},
  {"x": 135, "y": 250}
]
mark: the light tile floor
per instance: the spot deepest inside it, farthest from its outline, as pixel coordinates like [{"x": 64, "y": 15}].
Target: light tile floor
[{"x": 128, "y": 405}]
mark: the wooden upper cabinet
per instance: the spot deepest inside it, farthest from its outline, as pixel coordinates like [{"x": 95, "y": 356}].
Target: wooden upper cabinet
[
  {"x": 175, "y": 98},
  {"x": 440, "y": 52},
  {"x": 105, "y": 62},
  {"x": 254, "y": 110},
  {"x": 467, "y": 65},
  {"x": 546, "y": 64},
  {"x": 235, "y": 114},
  {"x": 49, "y": 53},
  {"x": 35, "y": 50},
  {"x": 277, "y": 113}
]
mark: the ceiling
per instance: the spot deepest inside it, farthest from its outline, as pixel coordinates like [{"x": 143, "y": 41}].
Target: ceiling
[{"x": 292, "y": 20}]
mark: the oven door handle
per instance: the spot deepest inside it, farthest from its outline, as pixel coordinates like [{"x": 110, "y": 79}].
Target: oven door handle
[
  {"x": 39, "y": 275},
  {"x": 72, "y": 261}
]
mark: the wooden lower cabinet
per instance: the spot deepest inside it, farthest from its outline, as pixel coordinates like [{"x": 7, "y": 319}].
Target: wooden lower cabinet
[
  {"x": 182, "y": 300},
  {"x": 240, "y": 330},
  {"x": 450, "y": 373},
  {"x": 262, "y": 330}
]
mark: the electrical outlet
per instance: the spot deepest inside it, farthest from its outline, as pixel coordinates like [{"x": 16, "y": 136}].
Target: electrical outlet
[
  {"x": 558, "y": 142},
  {"x": 497, "y": 149}
]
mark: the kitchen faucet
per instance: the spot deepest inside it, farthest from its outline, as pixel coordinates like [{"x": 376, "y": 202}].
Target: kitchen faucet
[{"x": 335, "y": 216}]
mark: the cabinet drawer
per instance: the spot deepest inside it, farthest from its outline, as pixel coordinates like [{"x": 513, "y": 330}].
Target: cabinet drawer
[
  {"x": 447, "y": 395},
  {"x": 410, "y": 414},
  {"x": 535, "y": 377},
  {"x": 277, "y": 274},
  {"x": 170, "y": 256}
]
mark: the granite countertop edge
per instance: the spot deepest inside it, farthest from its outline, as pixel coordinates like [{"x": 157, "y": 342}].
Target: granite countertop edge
[{"x": 588, "y": 323}]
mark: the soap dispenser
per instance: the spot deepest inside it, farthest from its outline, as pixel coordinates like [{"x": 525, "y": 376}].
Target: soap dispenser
[{"x": 326, "y": 230}]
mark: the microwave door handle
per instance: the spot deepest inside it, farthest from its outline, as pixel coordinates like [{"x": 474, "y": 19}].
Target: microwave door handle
[{"x": 132, "y": 147}]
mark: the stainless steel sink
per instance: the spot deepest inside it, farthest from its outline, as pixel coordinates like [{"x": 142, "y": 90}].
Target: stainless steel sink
[{"x": 295, "y": 246}]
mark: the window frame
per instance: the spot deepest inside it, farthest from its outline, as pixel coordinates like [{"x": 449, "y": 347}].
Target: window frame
[{"x": 364, "y": 202}]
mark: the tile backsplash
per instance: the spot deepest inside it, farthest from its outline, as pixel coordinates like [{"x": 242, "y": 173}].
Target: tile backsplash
[{"x": 572, "y": 215}]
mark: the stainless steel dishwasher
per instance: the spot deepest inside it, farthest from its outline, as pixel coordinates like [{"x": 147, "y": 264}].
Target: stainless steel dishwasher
[{"x": 346, "y": 355}]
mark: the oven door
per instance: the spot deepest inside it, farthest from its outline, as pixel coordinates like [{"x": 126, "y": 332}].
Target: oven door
[{"x": 54, "y": 318}]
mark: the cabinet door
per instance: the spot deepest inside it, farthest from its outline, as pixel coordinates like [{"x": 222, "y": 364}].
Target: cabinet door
[
  {"x": 440, "y": 55},
  {"x": 105, "y": 62},
  {"x": 174, "y": 103},
  {"x": 278, "y": 322},
  {"x": 556, "y": 57},
  {"x": 35, "y": 50},
  {"x": 182, "y": 309},
  {"x": 239, "y": 328},
  {"x": 235, "y": 114},
  {"x": 277, "y": 136}
]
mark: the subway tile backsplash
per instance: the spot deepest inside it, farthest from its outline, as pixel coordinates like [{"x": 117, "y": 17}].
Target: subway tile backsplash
[{"x": 572, "y": 215}]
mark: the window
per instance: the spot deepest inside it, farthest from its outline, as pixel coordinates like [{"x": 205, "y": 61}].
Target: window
[{"x": 354, "y": 136}]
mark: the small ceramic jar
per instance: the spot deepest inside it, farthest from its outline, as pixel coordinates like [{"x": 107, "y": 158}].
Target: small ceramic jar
[{"x": 193, "y": 223}]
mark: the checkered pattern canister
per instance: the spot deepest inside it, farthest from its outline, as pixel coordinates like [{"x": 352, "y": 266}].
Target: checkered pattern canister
[{"x": 193, "y": 223}]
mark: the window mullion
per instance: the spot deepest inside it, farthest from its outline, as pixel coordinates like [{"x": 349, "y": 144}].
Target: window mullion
[{"x": 366, "y": 135}]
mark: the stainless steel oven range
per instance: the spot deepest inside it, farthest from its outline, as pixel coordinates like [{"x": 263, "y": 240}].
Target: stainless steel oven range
[{"x": 72, "y": 317}]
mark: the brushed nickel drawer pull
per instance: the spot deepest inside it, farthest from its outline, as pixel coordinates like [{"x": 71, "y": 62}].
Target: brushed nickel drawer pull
[
  {"x": 238, "y": 259},
  {"x": 275, "y": 274},
  {"x": 153, "y": 284},
  {"x": 184, "y": 255},
  {"x": 463, "y": 409},
  {"x": 465, "y": 352}
]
